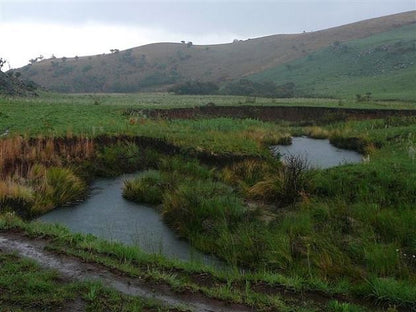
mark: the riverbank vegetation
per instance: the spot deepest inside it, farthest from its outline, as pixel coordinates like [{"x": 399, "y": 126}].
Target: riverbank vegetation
[{"x": 346, "y": 232}]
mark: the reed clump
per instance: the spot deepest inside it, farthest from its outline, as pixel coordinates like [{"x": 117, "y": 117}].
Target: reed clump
[
  {"x": 286, "y": 185},
  {"x": 16, "y": 197},
  {"x": 247, "y": 173},
  {"x": 54, "y": 187},
  {"x": 267, "y": 137},
  {"x": 148, "y": 187},
  {"x": 41, "y": 190},
  {"x": 317, "y": 132},
  {"x": 18, "y": 154}
]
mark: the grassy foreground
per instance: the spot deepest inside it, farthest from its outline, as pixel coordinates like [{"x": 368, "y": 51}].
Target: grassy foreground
[
  {"x": 346, "y": 232},
  {"x": 27, "y": 287}
]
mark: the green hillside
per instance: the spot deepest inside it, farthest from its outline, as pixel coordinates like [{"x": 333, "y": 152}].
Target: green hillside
[
  {"x": 383, "y": 64},
  {"x": 160, "y": 65}
]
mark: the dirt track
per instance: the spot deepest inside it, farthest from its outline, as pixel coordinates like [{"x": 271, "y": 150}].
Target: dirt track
[{"x": 74, "y": 269}]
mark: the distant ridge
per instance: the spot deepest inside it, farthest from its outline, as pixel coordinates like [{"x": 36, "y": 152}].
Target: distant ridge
[{"x": 160, "y": 65}]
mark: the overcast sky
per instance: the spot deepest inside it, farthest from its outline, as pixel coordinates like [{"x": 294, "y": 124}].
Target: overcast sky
[{"x": 68, "y": 28}]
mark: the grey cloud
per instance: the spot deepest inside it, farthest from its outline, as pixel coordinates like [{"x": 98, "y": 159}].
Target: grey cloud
[{"x": 247, "y": 18}]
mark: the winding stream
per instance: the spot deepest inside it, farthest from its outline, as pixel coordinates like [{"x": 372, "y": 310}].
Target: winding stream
[{"x": 106, "y": 214}]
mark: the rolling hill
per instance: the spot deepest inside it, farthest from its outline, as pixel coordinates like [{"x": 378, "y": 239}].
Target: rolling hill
[
  {"x": 158, "y": 66},
  {"x": 383, "y": 65}
]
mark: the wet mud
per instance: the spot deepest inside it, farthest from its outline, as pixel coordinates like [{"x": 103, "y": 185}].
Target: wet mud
[{"x": 75, "y": 269}]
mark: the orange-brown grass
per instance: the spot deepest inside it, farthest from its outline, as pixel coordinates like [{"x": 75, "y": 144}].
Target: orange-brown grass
[
  {"x": 317, "y": 132},
  {"x": 11, "y": 189},
  {"x": 18, "y": 154},
  {"x": 265, "y": 137}
]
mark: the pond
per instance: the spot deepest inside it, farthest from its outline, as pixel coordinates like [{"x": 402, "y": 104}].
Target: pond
[
  {"x": 318, "y": 153},
  {"x": 106, "y": 214}
]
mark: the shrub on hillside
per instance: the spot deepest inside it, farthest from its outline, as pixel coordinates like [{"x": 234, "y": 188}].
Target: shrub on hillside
[{"x": 195, "y": 87}]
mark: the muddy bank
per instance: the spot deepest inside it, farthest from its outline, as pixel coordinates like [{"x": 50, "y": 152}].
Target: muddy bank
[
  {"x": 19, "y": 154},
  {"x": 76, "y": 269},
  {"x": 273, "y": 113}
]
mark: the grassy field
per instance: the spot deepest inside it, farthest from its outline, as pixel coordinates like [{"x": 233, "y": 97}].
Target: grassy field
[
  {"x": 346, "y": 232},
  {"x": 54, "y": 114},
  {"x": 382, "y": 64}
]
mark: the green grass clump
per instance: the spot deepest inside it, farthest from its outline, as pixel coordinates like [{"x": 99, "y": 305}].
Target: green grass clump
[
  {"x": 335, "y": 306},
  {"x": 54, "y": 187},
  {"x": 394, "y": 291},
  {"x": 194, "y": 205},
  {"x": 112, "y": 160},
  {"x": 382, "y": 259},
  {"x": 151, "y": 186},
  {"x": 146, "y": 188},
  {"x": 185, "y": 166},
  {"x": 41, "y": 190}
]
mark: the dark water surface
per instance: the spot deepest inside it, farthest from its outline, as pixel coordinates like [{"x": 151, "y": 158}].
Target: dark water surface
[
  {"x": 318, "y": 153},
  {"x": 108, "y": 215}
]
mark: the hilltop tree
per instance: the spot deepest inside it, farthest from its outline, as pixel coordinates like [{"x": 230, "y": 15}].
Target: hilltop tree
[
  {"x": 34, "y": 60},
  {"x": 2, "y": 62}
]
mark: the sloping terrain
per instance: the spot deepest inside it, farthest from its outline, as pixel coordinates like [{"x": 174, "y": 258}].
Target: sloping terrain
[
  {"x": 383, "y": 65},
  {"x": 157, "y": 66}
]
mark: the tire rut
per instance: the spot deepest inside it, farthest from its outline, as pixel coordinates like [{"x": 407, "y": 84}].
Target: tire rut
[{"x": 76, "y": 269}]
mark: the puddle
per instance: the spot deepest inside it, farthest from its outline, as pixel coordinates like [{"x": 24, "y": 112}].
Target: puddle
[{"x": 318, "y": 153}]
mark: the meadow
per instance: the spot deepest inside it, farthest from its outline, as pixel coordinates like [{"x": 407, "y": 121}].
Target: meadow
[{"x": 345, "y": 233}]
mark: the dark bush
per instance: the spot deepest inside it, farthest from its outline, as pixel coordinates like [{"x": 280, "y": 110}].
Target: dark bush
[{"x": 195, "y": 87}]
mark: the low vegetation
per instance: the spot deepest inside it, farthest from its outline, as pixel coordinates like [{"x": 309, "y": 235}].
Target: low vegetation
[
  {"x": 27, "y": 287},
  {"x": 346, "y": 232}
]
